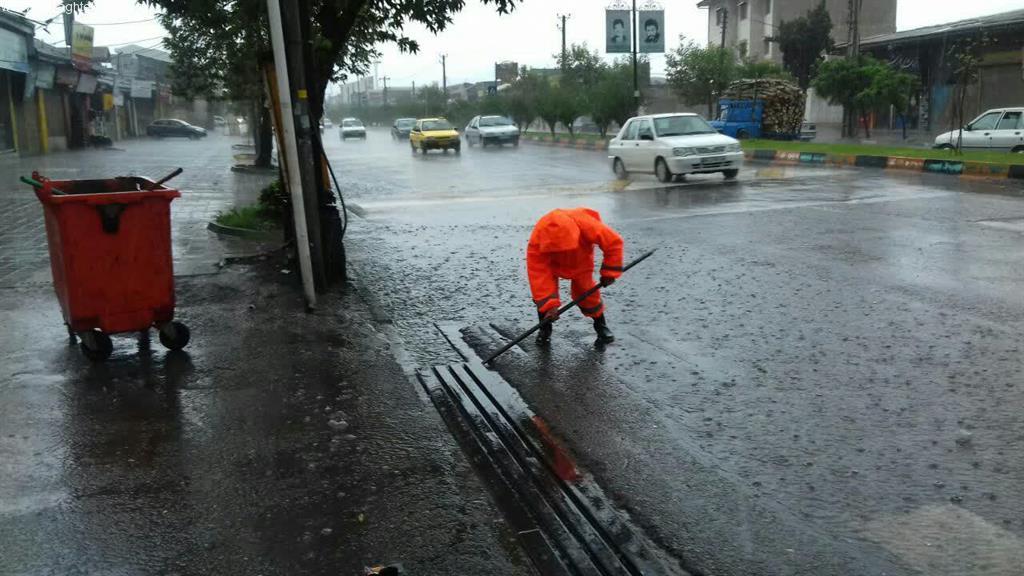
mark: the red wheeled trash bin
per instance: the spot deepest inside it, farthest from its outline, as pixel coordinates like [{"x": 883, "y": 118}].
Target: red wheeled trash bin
[{"x": 110, "y": 254}]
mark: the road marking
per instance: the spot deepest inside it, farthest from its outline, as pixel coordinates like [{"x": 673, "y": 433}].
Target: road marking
[
  {"x": 791, "y": 205},
  {"x": 942, "y": 540}
]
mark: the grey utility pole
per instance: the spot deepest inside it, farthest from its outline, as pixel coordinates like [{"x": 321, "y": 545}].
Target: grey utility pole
[
  {"x": 725, "y": 23},
  {"x": 444, "y": 77},
  {"x": 636, "y": 73},
  {"x": 563, "y": 18}
]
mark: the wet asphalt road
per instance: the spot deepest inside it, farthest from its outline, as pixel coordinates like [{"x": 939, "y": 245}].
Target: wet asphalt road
[{"x": 819, "y": 372}]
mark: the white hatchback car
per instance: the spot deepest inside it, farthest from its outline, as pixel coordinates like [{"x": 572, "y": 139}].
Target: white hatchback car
[
  {"x": 999, "y": 130},
  {"x": 352, "y": 128},
  {"x": 669, "y": 145}
]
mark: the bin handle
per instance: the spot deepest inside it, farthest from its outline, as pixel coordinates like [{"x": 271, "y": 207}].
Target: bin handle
[
  {"x": 37, "y": 184},
  {"x": 160, "y": 182}
]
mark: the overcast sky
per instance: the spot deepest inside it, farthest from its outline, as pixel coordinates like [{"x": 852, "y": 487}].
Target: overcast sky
[{"x": 479, "y": 37}]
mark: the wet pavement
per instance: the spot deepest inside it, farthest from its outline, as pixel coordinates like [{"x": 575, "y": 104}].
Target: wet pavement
[
  {"x": 208, "y": 181},
  {"x": 818, "y": 373},
  {"x": 277, "y": 442}
]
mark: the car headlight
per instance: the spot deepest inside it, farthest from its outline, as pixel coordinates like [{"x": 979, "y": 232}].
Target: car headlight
[
  {"x": 732, "y": 147},
  {"x": 683, "y": 151}
]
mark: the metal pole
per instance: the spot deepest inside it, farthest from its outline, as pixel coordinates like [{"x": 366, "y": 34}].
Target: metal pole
[
  {"x": 725, "y": 24},
  {"x": 444, "y": 78},
  {"x": 291, "y": 152},
  {"x": 636, "y": 76},
  {"x": 563, "y": 18}
]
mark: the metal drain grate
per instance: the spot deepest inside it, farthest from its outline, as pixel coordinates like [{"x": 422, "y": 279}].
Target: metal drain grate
[{"x": 565, "y": 521}]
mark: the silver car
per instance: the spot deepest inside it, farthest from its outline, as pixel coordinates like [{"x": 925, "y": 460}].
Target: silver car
[
  {"x": 484, "y": 130},
  {"x": 999, "y": 130}
]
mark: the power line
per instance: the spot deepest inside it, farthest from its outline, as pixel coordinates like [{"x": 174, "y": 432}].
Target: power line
[
  {"x": 137, "y": 41},
  {"x": 120, "y": 23}
]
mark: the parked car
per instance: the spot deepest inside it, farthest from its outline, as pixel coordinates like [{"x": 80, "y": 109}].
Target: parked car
[
  {"x": 401, "y": 127},
  {"x": 170, "y": 127},
  {"x": 486, "y": 130},
  {"x": 999, "y": 130},
  {"x": 669, "y": 145},
  {"x": 434, "y": 134},
  {"x": 326, "y": 122},
  {"x": 219, "y": 121},
  {"x": 352, "y": 128},
  {"x": 808, "y": 131}
]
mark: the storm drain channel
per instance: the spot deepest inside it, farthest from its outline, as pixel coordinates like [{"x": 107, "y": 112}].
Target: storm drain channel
[{"x": 564, "y": 520}]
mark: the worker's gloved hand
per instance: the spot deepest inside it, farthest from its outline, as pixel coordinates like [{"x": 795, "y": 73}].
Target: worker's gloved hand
[
  {"x": 607, "y": 280},
  {"x": 550, "y": 315}
]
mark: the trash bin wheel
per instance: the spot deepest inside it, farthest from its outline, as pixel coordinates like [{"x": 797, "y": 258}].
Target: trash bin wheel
[
  {"x": 95, "y": 345},
  {"x": 174, "y": 335}
]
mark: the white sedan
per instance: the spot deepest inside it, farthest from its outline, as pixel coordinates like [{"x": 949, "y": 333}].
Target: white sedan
[
  {"x": 999, "y": 130},
  {"x": 484, "y": 130},
  {"x": 352, "y": 128},
  {"x": 669, "y": 145}
]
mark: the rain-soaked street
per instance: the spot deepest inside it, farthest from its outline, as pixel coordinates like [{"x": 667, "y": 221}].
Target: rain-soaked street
[{"x": 819, "y": 372}]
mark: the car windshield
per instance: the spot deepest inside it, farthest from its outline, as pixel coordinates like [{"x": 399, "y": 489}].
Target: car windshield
[
  {"x": 437, "y": 125},
  {"x": 351, "y": 123},
  {"x": 405, "y": 123},
  {"x": 682, "y": 126},
  {"x": 495, "y": 121}
]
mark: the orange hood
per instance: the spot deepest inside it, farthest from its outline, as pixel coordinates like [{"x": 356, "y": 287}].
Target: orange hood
[{"x": 556, "y": 232}]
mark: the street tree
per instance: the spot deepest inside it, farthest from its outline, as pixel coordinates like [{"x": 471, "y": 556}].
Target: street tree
[
  {"x": 581, "y": 68},
  {"x": 570, "y": 106},
  {"x": 700, "y": 75},
  {"x": 863, "y": 85},
  {"x": 757, "y": 69},
  {"x": 547, "y": 101},
  {"x": 432, "y": 100},
  {"x": 522, "y": 96},
  {"x": 612, "y": 100},
  {"x": 804, "y": 41},
  {"x": 966, "y": 60}
]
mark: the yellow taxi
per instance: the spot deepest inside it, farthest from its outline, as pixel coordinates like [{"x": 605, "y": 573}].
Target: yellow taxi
[{"x": 434, "y": 134}]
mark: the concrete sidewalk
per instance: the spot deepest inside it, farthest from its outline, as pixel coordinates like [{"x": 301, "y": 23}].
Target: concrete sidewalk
[
  {"x": 278, "y": 442},
  {"x": 832, "y": 134}
]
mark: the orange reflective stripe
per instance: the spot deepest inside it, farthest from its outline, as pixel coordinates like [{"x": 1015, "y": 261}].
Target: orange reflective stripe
[{"x": 591, "y": 309}]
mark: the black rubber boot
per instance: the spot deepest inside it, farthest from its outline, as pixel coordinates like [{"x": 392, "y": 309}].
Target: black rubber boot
[
  {"x": 604, "y": 334},
  {"x": 544, "y": 334}
]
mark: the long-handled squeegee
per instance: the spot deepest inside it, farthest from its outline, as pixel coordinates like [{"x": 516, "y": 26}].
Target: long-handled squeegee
[{"x": 562, "y": 310}]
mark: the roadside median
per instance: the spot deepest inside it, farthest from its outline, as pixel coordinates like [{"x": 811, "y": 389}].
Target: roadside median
[
  {"x": 990, "y": 165},
  {"x": 579, "y": 141}
]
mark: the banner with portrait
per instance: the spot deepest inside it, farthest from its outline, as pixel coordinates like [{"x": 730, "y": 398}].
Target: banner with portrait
[
  {"x": 652, "y": 31},
  {"x": 617, "y": 32}
]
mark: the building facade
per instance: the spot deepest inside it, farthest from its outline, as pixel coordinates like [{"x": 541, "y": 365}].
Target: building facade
[
  {"x": 748, "y": 24},
  {"x": 928, "y": 54},
  {"x": 49, "y": 101}
]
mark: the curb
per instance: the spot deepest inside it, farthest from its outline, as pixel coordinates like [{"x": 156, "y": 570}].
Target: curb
[
  {"x": 578, "y": 144},
  {"x": 243, "y": 232},
  {"x": 250, "y": 169},
  {"x": 961, "y": 168}
]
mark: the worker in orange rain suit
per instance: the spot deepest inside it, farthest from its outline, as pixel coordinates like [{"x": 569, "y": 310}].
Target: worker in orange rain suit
[{"x": 562, "y": 246}]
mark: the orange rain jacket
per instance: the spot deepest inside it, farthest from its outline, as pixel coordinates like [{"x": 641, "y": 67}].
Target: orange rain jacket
[{"x": 562, "y": 246}]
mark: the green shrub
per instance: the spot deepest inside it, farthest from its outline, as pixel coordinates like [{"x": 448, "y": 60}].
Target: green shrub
[
  {"x": 247, "y": 217},
  {"x": 274, "y": 201}
]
